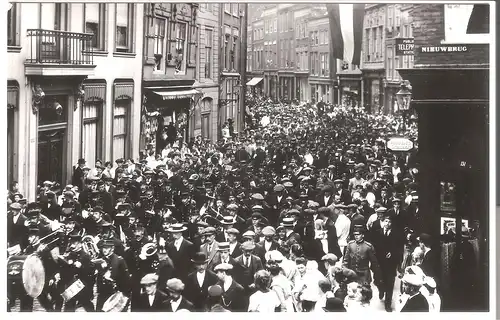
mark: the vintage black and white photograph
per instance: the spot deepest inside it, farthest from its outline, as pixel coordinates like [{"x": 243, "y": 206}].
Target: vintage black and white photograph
[{"x": 248, "y": 157}]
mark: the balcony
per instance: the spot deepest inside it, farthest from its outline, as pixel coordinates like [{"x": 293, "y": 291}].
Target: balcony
[{"x": 59, "y": 53}]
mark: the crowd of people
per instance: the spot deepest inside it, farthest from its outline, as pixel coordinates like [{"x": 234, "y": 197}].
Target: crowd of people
[{"x": 305, "y": 211}]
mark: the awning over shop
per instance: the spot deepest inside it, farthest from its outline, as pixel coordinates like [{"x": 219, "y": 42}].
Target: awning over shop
[
  {"x": 175, "y": 95},
  {"x": 254, "y": 81}
]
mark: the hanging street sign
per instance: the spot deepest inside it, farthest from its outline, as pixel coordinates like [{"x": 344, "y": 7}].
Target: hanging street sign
[{"x": 399, "y": 144}]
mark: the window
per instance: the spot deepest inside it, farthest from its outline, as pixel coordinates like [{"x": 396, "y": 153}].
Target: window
[
  {"x": 159, "y": 41},
  {"x": 234, "y": 55},
  {"x": 389, "y": 16},
  {"x": 91, "y": 129},
  {"x": 193, "y": 45},
  {"x": 367, "y": 45},
  {"x": 178, "y": 47},
  {"x": 12, "y": 26},
  {"x": 227, "y": 52},
  {"x": 205, "y": 126},
  {"x": 275, "y": 25},
  {"x": 389, "y": 63},
  {"x": 124, "y": 27},
  {"x": 312, "y": 63},
  {"x": 208, "y": 53},
  {"x": 120, "y": 128},
  {"x": 316, "y": 37},
  {"x": 297, "y": 60},
  {"x": 227, "y": 7},
  {"x": 375, "y": 45},
  {"x": 234, "y": 7},
  {"x": 95, "y": 23}
]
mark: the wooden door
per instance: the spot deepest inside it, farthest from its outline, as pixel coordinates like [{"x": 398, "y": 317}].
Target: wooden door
[{"x": 50, "y": 155}]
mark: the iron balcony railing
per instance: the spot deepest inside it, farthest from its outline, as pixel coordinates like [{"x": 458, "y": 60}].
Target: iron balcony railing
[{"x": 60, "y": 47}]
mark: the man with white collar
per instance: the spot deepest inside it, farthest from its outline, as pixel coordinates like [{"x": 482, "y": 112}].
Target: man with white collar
[
  {"x": 176, "y": 301},
  {"x": 269, "y": 243},
  {"x": 234, "y": 297},
  {"x": 197, "y": 282},
  {"x": 180, "y": 251},
  {"x": 209, "y": 248},
  {"x": 289, "y": 225},
  {"x": 429, "y": 262},
  {"x": 412, "y": 299}
]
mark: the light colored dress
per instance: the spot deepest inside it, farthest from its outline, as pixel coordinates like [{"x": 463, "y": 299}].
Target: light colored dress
[
  {"x": 263, "y": 301},
  {"x": 283, "y": 288}
]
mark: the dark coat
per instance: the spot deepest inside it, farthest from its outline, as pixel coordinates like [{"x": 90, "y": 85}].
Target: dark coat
[
  {"x": 430, "y": 263},
  {"x": 142, "y": 303},
  {"x": 184, "y": 305},
  {"x": 78, "y": 178},
  {"x": 119, "y": 273},
  {"x": 417, "y": 303},
  {"x": 54, "y": 212},
  {"x": 182, "y": 258},
  {"x": 333, "y": 244},
  {"x": 388, "y": 244},
  {"x": 235, "y": 299},
  {"x": 244, "y": 274},
  {"x": 17, "y": 233},
  {"x": 196, "y": 294}
]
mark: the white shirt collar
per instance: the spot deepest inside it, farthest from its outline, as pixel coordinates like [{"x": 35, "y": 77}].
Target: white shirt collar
[
  {"x": 232, "y": 246},
  {"x": 151, "y": 299},
  {"x": 177, "y": 243},
  {"x": 288, "y": 232},
  {"x": 201, "y": 277},
  {"x": 175, "y": 304},
  {"x": 228, "y": 283}
]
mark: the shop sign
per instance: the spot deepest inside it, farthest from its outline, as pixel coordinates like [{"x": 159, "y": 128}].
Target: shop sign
[
  {"x": 444, "y": 49},
  {"x": 399, "y": 144},
  {"x": 405, "y": 46}
]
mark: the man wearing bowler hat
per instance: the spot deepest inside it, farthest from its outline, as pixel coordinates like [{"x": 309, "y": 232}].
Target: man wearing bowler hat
[{"x": 197, "y": 282}]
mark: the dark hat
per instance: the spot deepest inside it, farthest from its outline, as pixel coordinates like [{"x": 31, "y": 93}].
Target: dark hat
[
  {"x": 257, "y": 215},
  {"x": 293, "y": 212},
  {"x": 424, "y": 237},
  {"x": 215, "y": 291},
  {"x": 33, "y": 230},
  {"x": 199, "y": 258},
  {"x": 324, "y": 210},
  {"x": 106, "y": 243},
  {"x": 75, "y": 236},
  {"x": 257, "y": 208},
  {"x": 334, "y": 305},
  {"x": 359, "y": 229},
  {"x": 81, "y": 161}
]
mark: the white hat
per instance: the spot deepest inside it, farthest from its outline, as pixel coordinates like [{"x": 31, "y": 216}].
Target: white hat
[{"x": 430, "y": 282}]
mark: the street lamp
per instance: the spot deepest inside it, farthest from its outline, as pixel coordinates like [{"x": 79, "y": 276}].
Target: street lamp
[{"x": 403, "y": 99}]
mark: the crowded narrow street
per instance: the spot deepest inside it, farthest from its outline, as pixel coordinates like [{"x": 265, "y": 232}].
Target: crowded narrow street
[{"x": 236, "y": 157}]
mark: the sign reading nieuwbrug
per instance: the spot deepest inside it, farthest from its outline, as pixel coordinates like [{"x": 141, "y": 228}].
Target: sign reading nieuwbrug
[
  {"x": 445, "y": 48},
  {"x": 405, "y": 46}
]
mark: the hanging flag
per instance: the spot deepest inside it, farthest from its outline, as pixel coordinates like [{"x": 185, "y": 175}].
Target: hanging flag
[
  {"x": 479, "y": 20},
  {"x": 346, "y": 31}
]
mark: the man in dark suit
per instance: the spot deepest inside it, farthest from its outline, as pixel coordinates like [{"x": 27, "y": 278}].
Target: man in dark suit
[
  {"x": 79, "y": 175},
  {"x": 329, "y": 225},
  {"x": 290, "y": 235},
  {"x": 17, "y": 231},
  {"x": 259, "y": 250},
  {"x": 210, "y": 247},
  {"x": 234, "y": 245},
  {"x": 276, "y": 201},
  {"x": 388, "y": 249},
  {"x": 269, "y": 243},
  {"x": 53, "y": 210},
  {"x": 249, "y": 265},
  {"x": 345, "y": 196},
  {"x": 223, "y": 255},
  {"x": 234, "y": 298},
  {"x": 325, "y": 198},
  {"x": 152, "y": 299},
  {"x": 113, "y": 273},
  {"x": 399, "y": 215},
  {"x": 431, "y": 260},
  {"x": 180, "y": 251},
  {"x": 416, "y": 302},
  {"x": 197, "y": 282},
  {"x": 176, "y": 301}
]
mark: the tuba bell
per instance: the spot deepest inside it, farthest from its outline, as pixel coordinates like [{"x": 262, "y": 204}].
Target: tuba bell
[
  {"x": 148, "y": 250},
  {"x": 90, "y": 246}
]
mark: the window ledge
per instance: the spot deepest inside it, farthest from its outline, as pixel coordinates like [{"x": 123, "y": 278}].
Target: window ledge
[
  {"x": 100, "y": 53},
  {"x": 14, "y": 49},
  {"x": 124, "y": 54}
]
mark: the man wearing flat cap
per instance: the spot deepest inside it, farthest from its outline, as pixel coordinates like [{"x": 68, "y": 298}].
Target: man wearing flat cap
[
  {"x": 249, "y": 264},
  {"x": 151, "y": 299},
  {"x": 17, "y": 231},
  {"x": 233, "y": 297},
  {"x": 176, "y": 301},
  {"x": 197, "y": 282},
  {"x": 210, "y": 247}
]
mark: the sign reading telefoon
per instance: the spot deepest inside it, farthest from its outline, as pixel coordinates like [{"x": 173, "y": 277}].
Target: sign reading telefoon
[{"x": 405, "y": 46}]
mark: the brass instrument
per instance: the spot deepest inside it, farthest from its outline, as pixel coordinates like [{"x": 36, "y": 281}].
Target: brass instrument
[
  {"x": 148, "y": 250},
  {"x": 90, "y": 246}
]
